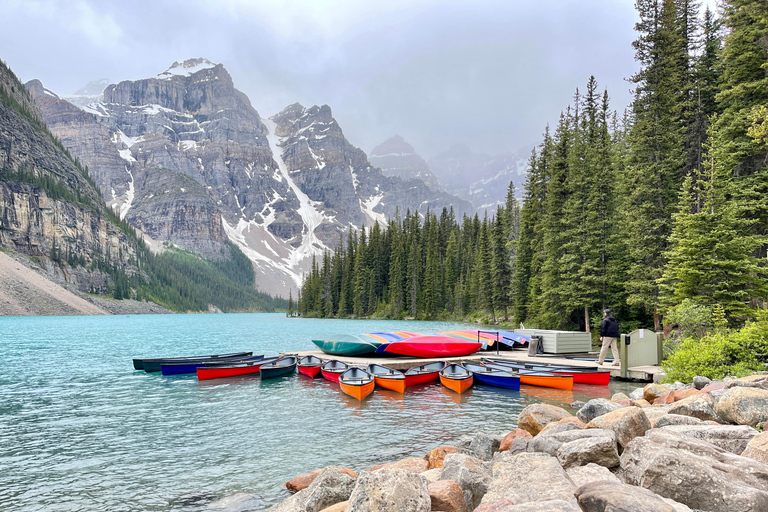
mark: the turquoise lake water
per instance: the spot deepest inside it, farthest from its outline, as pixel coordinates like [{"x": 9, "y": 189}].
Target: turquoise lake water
[{"x": 81, "y": 430}]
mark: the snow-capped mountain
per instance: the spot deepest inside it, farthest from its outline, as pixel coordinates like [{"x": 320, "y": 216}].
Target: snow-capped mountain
[
  {"x": 89, "y": 93},
  {"x": 396, "y": 157},
  {"x": 185, "y": 158}
]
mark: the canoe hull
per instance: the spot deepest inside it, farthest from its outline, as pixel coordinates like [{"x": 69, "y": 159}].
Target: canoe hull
[
  {"x": 455, "y": 385},
  {"x": 331, "y": 376},
  {"x": 220, "y": 373},
  {"x": 397, "y": 385},
  {"x": 432, "y": 346},
  {"x": 557, "y": 382},
  {"x": 153, "y": 365},
  {"x": 511, "y": 382},
  {"x": 358, "y": 392},
  {"x": 347, "y": 347},
  {"x": 179, "y": 369},
  {"x": 310, "y": 371},
  {"x": 271, "y": 373},
  {"x": 423, "y": 378}
]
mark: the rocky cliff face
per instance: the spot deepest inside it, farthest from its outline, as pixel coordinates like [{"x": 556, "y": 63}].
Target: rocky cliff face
[
  {"x": 186, "y": 158},
  {"x": 396, "y": 157},
  {"x": 67, "y": 221}
]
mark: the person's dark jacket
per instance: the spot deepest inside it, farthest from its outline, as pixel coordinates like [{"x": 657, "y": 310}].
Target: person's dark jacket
[{"x": 609, "y": 327}]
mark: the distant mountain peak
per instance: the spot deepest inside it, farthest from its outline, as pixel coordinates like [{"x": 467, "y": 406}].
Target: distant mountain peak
[
  {"x": 94, "y": 88},
  {"x": 187, "y": 68}
]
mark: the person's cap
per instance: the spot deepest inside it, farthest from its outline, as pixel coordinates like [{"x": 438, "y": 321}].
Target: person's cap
[{"x": 607, "y": 311}]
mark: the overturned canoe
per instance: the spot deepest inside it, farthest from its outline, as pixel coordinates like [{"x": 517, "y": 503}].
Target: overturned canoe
[
  {"x": 456, "y": 378},
  {"x": 153, "y": 364},
  {"x": 348, "y": 345},
  {"x": 387, "y": 378},
  {"x": 423, "y": 374},
  {"x": 332, "y": 369},
  {"x": 356, "y": 383},
  {"x": 310, "y": 366},
  {"x": 218, "y": 371},
  {"x": 434, "y": 345},
  {"x": 494, "y": 376}
]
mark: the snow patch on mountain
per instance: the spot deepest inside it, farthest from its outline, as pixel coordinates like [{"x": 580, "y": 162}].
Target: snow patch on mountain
[{"x": 186, "y": 68}]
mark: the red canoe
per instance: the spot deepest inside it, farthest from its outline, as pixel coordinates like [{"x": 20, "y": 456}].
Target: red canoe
[
  {"x": 423, "y": 374},
  {"x": 232, "y": 370},
  {"x": 310, "y": 366},
  {"x": 333, "y": 368},
  {"x": 433, "y": 345}
]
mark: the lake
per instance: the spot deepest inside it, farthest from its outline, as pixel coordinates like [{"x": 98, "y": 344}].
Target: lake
[{"x": 81, "y": 430}]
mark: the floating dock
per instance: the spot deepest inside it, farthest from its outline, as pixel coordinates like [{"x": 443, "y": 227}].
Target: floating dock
[{"x": 642, "y": 373}]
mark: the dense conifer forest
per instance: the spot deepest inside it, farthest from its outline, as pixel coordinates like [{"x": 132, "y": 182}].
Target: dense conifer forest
[{"x": 662, "y": 205}]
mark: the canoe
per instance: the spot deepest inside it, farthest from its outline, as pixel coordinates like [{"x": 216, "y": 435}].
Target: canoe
[
  {"x": 217, "y": 371},
  {"x": 387, "y": 378},
  {"x": 332, "y": 369},
  {"x": 286, "y": 365},
  {"x": 310, "y": 366},
  {"x": 513, "y": 339},
  {"x": 191, "y": 367},
  {"x": 546, "y": 379},
  {"x": 153, "y": 364},
  {"x": 494, "y": 376},
  {"x": 581, "y": 375},
  {"x": 356, "y": 383},
  {"x": 389, "y": 337},
  {"x": 423, "y": 374},
  {"x": 348, "y": 345},
  {"x": 484, "y": 337},
  {"x": 456, "y": 378},
  {"x": 433, "y": 345}
]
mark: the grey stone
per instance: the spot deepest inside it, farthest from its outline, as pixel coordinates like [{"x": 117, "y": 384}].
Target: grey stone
[
  {"x": 618, "y": 497},
  {"x": 529, "y": 477},
  {"x": 535, "y": 506},
  {"x": 577, "y": 404},
  {"x": 699, "y": 406},
  {"x": 596, "y": 407},
  {"x": 433, "y": 475},
  {"x": 731, "y": 438},
  {"x": 470, "y": 473},
  {"x": 699, "y": 382},
  {"x": 535, "y": 417},
  {"x": 581, "y": 475},
  {"x": 390, "y": 489},
  {"x": 743, "y": 406},
  {"x": 599, "y": 450},
  {"x": 637, "y": 394},
  {"x": 627, "y": 423},
  {"x": 561, "y": 427},
  {"x": 519, "y": 445},
  {"x": 484, "y": 445},
  {"x": 550, "y": 443},
  {"x": 676, "y": 419},
  {"x": 331, "y": 486}
]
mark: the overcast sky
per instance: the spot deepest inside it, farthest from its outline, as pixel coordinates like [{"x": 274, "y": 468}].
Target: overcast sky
[{"x": 488, "y": 73}]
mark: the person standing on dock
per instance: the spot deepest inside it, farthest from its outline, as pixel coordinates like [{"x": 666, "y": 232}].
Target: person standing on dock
[{"x": 609, "y": 334}]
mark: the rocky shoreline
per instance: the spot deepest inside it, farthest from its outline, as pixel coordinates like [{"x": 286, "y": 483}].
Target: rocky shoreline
[{"x": 665, "y": 448}]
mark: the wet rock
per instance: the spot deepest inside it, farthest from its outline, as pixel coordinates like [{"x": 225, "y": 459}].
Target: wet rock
[
  {"x": 238, "y": 502},
  {"x": 757, "y": 448},
  {"x": 699, "y": 406},
  {"x": 329, "y": 487},
  {"x": 598, "y": 450},
  {"x": 447, "y": 496},
  {"x": 653, "y": 391},
  {"x": 569, "y": 423},
  {"x": 470, "y": 473},
  {"x": 435, "y": 456},
  {"x": 676, "y": 419},
  {"x": 388, "y": 490},
  {"x": 695, "y": 473},
  {"x": 626, "y": 423},
  {"x": 596, "y": 407},
  {"x": 743, "y": 406},
  {"x": 412, "y": 464},
  {"x": 537, "y": 416},
  {"x": 530, "y": 477},
  {"x": 731, "y": 438},
  {"x": 300, "y": 482},
  {"x": 618, "y": 497},
  {"x": 506, "y": 442},
  {"x": 699, "y": 382},
  {"x": 581, "y": 475}
]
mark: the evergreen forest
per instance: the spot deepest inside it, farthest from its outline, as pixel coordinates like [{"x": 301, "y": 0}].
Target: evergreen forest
[{"x": 660, "y": 206}]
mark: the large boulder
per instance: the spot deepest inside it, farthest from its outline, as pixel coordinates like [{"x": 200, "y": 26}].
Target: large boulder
[
  {"x": 757, "y": 448},
  {"x": 519, "y": 445},
  {"x": 655, "y": 413},
  {"x": 637, "y": 394},
  {"x": 581, "y": 475},
  {"x": 483, "y": 446},
  {"x": 626, "y": 423},
  {"x": 446, "y": 495},
  {"x": 695, "y": 473},
  {"x": 435, "y": 456},
  {"x": 536, "y": 506},
  {"x": 550, "y": 443},
  {"x": 597, "y": 450},
  {"x": 618, "y": 497},
  {"x": 470, "y": 473},
  {"x": 731, "y": 438},
  {"x": 331, "y": 486},
  {"x": 535, "y": 417},
  {"x": 433, "y": 475},
  {"x": 339, "y": 507},
  {"x": 390, "y": 489},
  {"x": 506, "y": 442},
  {"x": 699, "y": 406},
  {"x": 653, "y": 391},
  {"x": 529, "y": 477},
  {"x": 301, "y": 482},
  {"x": 676, "y": 419},
  {"x": 412, "y": 464},
  {"x": 596, "y": 407},
  {"x": 752, "y": 381},
  {"x": 569, "y": 423},
  {"x": 743, "y": 406}
]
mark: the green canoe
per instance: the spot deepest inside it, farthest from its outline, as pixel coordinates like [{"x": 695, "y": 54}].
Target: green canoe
[{"x": 348, "y": 345}]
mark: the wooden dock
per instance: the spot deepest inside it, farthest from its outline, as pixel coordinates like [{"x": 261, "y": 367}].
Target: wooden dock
[{"x": 641, "y": 373}]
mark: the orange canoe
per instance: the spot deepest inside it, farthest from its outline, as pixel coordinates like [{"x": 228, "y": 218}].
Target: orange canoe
[
  {"x": 546, "y": 379},
  {"x": 387, "y": 378},
  {"x": 456, "y": 378},
  {"x": 356, "y": 383}
]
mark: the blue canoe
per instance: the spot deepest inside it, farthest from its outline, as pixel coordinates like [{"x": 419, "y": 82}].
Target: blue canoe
[
  {"x": 494, "y": 377},
  {"x": 192, "y": 366}
]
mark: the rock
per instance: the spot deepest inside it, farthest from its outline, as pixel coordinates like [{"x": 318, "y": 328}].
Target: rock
[
  {"x": 331, "y": 486},
  {"x": 596, "y": 407},
  {"x": 577, "y": 404},
  {"x": 470, "y": 473},
  {"x": 388, "y": 490},
  {"x": 714, "y": 386},
  {"x": 496, "y": 506},
  {"x": 519, "y": 445},
  {"x": 619, "y": 396},
  {"x": 537, "y": 416},
  {"x": 637, "y": 394},
  {"x": 550, "y": 443},
  {"x": 432, "y": 475},
  {"x": 627, "y": 423},
  {"x": 447, "y": 495},
  {"x": 618, "y": 497},
  {"x": 653, "y": 391},
  {"x": 676, "y": 419},
  {"x": 699, "y": 406},
  {"x": 695, "y": 473},
  {"x": 757, "y": 448},
  {"x": 569, "y": 423},
  {"x": 731, "y": 438},
  {"x": 743, "y": 406},
  {"x": 597, "y": 450},
  {"x": 300, "y": 482},
  {"x": 654, "y": 413},
  {"x": 238, "y": 502},
  {"x": 435, "y": 456},
  {"x": 484, "y": 446},
  {"x": 680, "y": 394},
  {"x": 752, "y": 381},
  {"x": 640, "y": 403},
  {"x": 339, "y": 507},
  {"x": 529, "y": 477},
  {"x": 581, "y": 475},
  {"x": 665, "y": 399},
  {"x": 535, "y": 506},
  {"x": 506, "y": 443},
  {"x": 699, "y": 382},
  {"x": 412, "y": 464}
]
